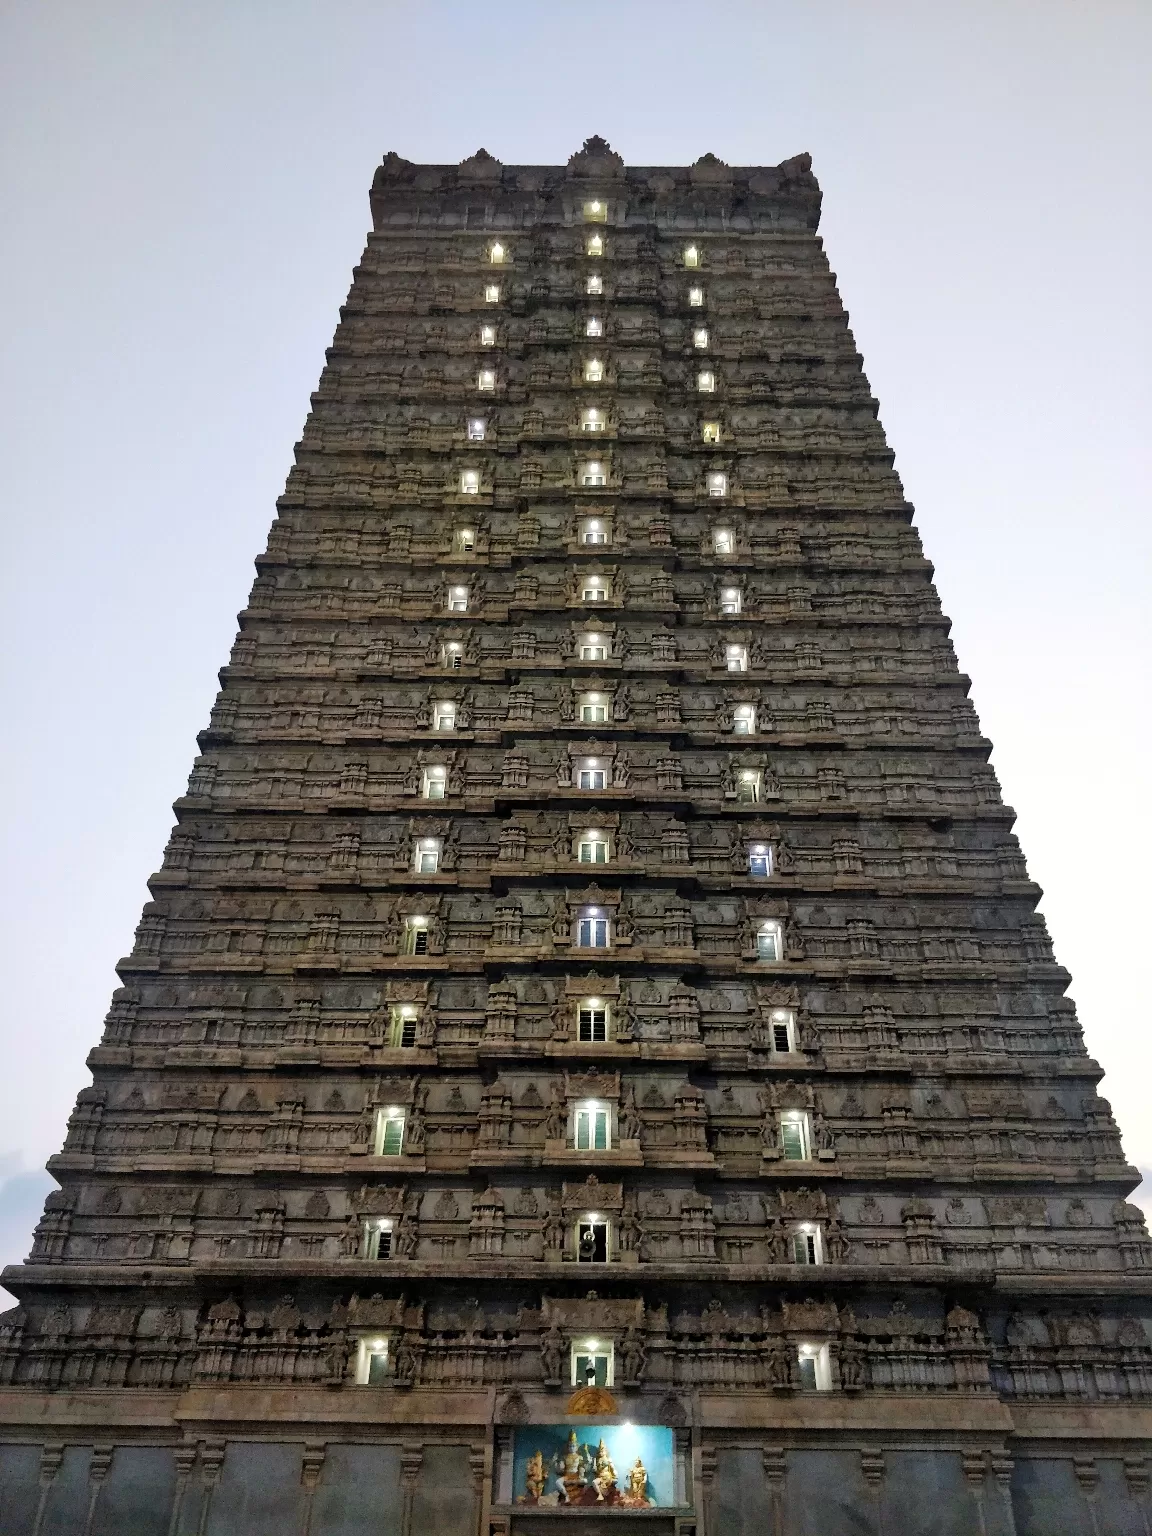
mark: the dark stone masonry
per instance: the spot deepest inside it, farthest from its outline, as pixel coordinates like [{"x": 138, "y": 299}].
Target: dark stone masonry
[{"x": 592, "y": 1056}]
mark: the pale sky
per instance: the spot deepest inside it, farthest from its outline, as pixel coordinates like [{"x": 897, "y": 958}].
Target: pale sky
[{"x": 183, "y": 195}]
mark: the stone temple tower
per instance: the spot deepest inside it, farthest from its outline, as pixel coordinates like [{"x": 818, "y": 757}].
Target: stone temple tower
[{"x": 592, "y": 1056}]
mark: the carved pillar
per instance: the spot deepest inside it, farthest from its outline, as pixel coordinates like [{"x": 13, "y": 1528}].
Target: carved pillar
[
  {"x": 97, "y": 1472},
  {"x": 185, "y": 1458},
  {"x": 1136, "y": 1477},
  {"x": 975, "y": 1472},
  {"x": 211, "y": 1465},
  {"x": 311, "y": 1466},
  {"x": 776, "y": 1470},
  {"x": 411, "y": 1458},
  {"x": 873, "y": 1468},
  {"x": 478, "y": 1466},
  {"x": 1088, "y": 1476},
  {"x": 707, "y": 1480},
  {"x": 1002, "y": 1472},
  {"x": 50, "y": 1458}
]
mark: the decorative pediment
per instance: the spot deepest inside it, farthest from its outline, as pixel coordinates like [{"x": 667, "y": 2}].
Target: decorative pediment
[
  {"x": 710, "y": 172},
  {"x": 481, "y": 168},
  {"x": 596, "y": 158},
  {"x": 592, "y": 1195}
]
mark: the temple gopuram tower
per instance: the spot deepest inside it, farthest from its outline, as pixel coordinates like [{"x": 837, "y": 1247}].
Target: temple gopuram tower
[{"x": 592, "y": 1057}]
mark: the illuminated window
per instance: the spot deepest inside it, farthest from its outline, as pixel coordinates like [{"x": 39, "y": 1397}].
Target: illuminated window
[
  {"x": 378, "y": 1237},
  {"x": 434, "y": 783},
  {"x": 593, "y": 530},
  {"x": 491, "y": 293},
  {"x": 806, "y": 1245},
  {"x": 760, "y": 860},
  {"x": 770, "y": 942},
  {"x": 696, "y": 297},
  {"x": 592, "y": 848},
  {"x": 371, "y": 1361},
  {"x": 477, "y": 429},
  {"x": 592, "y": 1239},
  {"x": 744, "y": 720},
  {"x": 444, "y": 715},
  {"x": 594, "y": 286},
  {"x": 464, "y": 541},
  {"x": 592, "y": 1020},
  {"x": 593, "y": 648},
  {"x": 594, "y": 589},
  {"x": 592, "y": 1363},
  {"x": 717, "y": 483},
  {"x": 723, "y": 541},
  {"x": 593, "y": 708},
  {"x": 710, "y": 431},
  {"x": 402, "y": 1021},
  {"x": 469, "y": 482},
  {"x": 815, "y": 1368},
  {"x": 591, "y": 774},
  {"x": 593, "y": 326},
  {"x": 415, "y": 938},
  {"x": 593, "y": 473},
  {"x": 691, "y": 256},
  {"x": 497, "y": 254},
  {"x": 452, "y": 656},
  {"x": 591, "y": 419},
  {"x": 705, "y": 382},
  {"x": 595, "y": 245},
  {"x": 748, "y": 785},
  {"x": 736, "y": 658},
  {"x": 389, "y": 1132},
  {"x": 426, "y": 858},
  {"x": 487, "y": 335},
  {"x": 596, "y": 212},
  {"x": 700, "y": 338},
  {"x": 782, "y": 1031},
  {"x": 486, "y": 380},
  {"x": 795, "y": 1136},
  {"x": 731, "y": 600},
  {"x": 592, "y": 929},
  {"x": 457, "y": 599},
  {"x": 592, "y": 1130},
  {"x": 593, "y": 370}
]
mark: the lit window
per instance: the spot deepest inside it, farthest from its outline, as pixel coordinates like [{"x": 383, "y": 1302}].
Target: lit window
[
  {"x": 592, "y": 1127},
  {"x": 731, "y": 600},
  {"x": 457, "y": 599},
  {"x": 378, "y": 1237},
  {"x": 477, "y": 429},
  {"x": 593, "y": 648},
  {"x": 705, "y": 382},
  {"x": 593, "y": 709},
  {"x": 744, "y": 720},
  {"x": 487, "y": 335},
  {"x": 593, "y": 530},
  {"x": 594, "y": 589},
  {"x": 717, "y": 483},
  {"x": 592, "y": 929},
  {"x": 591, "y": 1364},
  {"x": 691, "y": 256},
  {"x": 434, "y": 784},
  {"x": 592, "y": 1240},
  {"x": 760, "y": 860},
  {"x": 402, "y": 1023},
  {"x": 491, "y": 293},
  {"x": 592, "y": 1020},
  {"x": 595, "y": 245},
  {"x": 710, "y": 431},
  {"x": 596, "y": 212},
  {"x": 696, "y": 298},
  {"x": 452, "y": 656},
  {"x": 415, "y": 936},
  {"x": 748, "y": 785},
  {"x": 593, "y": 370},
  {"x": 736, "y": 658},
  {"x": 700, "y": 338},
  {"x": 806, "y": 1246},
  {"x": 769, "y": 942},
  {"x": 371, "y": 1362},
  {"x": 593, "y": 473},
  {"x": 464, "y": 541},
  {"x": 594, "y": 287},
  {"x": 444, "y": 715},
  {"x": 591, "y": 774},
  {"x": 426, "y": 859},
  {"x": 815, "y": 1368},
  {"x": 591, "y": 419},
  {"x": 389, "y": 1132},
  {"x": 723, "y": 541},
  {"x": 469, "y": 482},
  {"x": 497, "y": 254},
  {"x": 782, "y": 1031},
  {"x": 795, "y": 1137},
  {"x": 486, "y": 380},
  {"x": 592, "y": 848},
  {"x": 415, "y": 940},
  {"x": 593, "y": 326}
]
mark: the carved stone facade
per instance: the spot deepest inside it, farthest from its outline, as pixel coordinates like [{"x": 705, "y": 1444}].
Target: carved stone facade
[{"x": 592, "y": 912}]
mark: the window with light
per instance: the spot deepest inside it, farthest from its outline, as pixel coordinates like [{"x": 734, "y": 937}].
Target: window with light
[
  {"x": 593, "y": 473},
  {"x": 457, "y": 599},
  {"x": 427, "y": 856},
  {"x": 593, "y": 370},
  {"x": 594, "y": 286},
  {"x": 592, "y": 929},
  {"x": 691, "y": 255},
  {"x": 477, "y": 429},
  {"x": 769, "y": 943},
  {"x": 592, "y": 1020},
  {"x": 596, "y": 211},
  {"x": 815, "y": 1367},
  {"x": 593, "y": 326},
  {"x": 593, "y": 708},
  {"x": 731, "y": 600},
  {"x": 717, "y": 483},
  {"x": 592, "y": 1130},
  {"x": 592, "y": 1363},
  {"x": 795, "y": 1136},
  {"x": 736, "y": 658},
  {"x": 592, "y": 419},
  {"x": 696, "y": 297},
  {"x": 444, "y": 715},
  {"x": 591, "y": 774},
  {"x": 706, "y": 381},
  {"x": 497, "y": 253},
  {"x": 806, "y": 1245},
  {"x": 723, "y": 541},
  {"x": 487, "y": 335},
  {"x": 491, "y": 293},
  {"x": 748, "y": 786},
  {"x": 593, "y": 530},
  {"x": 744, "y": 720},
  {"x": 469, "y": 482},
  {"x": 593, "y": 648},
  {"x": 594, "y": 245},
  {"x": 594, "y": 589},
  {"x": 371, "y": 1361},
  {"x": 378, "y": 1239},
  {"x": 415, "y": 940},
  {"x": 434, "y": 783},
  {"x": 389, "y": 1132},
  {"x": 592, "y": 848},
  {"x": 464, "y": 541},
  {"x": 592, "y": 1239},
  {"x": 759, "y": 860},
  {"x": 452, "y": 656},
  {"x": 402, "y": 1021},
  {"x": 486, "y": 381},
  {"x": 700, "y": 338},
  {"x": 710, "y": 431}
]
